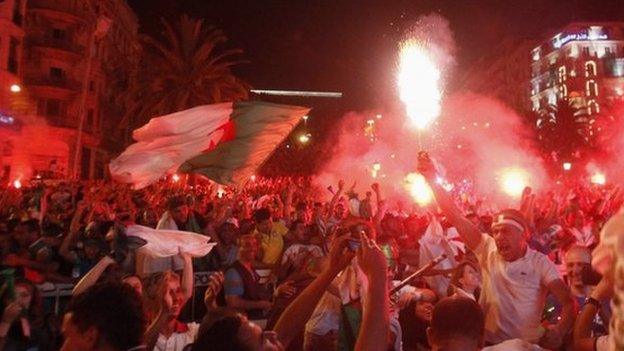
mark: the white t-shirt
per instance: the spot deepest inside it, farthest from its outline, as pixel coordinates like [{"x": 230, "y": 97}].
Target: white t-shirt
[
  {"x": 513, "y": 293},
  {"x": 178, "y": 340}
]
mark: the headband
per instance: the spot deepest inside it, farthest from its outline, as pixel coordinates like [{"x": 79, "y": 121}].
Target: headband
[{"x": 501, "y": 220}]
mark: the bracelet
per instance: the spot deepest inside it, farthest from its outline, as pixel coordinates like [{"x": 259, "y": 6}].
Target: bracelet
[{"x": 591, "y": 301}]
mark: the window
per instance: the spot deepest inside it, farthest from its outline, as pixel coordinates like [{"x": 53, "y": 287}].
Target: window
[
  {"x": 590, "y": 69},
  {"x": 13, "y": 63},
  {"x": 593, "y": 107},
  {"x": 563, "y": 92},
  {"x": 17, "y": 13},
  {"x": 53, "y": 107},
  {"x": 58, "y": 34},
  {"x": 591, "y": 88},
  {"x": 56, "y": 72},
  {"x": 607, "y": 50},
  {"x": 89, "y": 125},
  {"x": 586, "y": 51}
]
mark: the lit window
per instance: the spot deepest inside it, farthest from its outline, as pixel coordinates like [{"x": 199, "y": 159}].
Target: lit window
[
  {"x": 563, "y": 75},
  {"x": 590, "y": 69},
  {"x": 563, "y": 92},
  {"x": 593, "y": 107},
  {"x": 591, "y": 88}
]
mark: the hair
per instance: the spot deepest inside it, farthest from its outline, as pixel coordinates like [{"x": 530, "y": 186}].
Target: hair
[
  {"x": 35, "y": 313},
  {"x": 457, "y": 317},
  {"x": 261, "y": 215},
  {"x": 152, "y": 286},
  {"x": 219, "y": 332},
  {"x": 458, "y": 273},
  {"x": 115, "y": 310}
]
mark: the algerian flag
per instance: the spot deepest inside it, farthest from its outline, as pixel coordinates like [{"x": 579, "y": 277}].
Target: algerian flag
[{"x": 226, "y": 142}]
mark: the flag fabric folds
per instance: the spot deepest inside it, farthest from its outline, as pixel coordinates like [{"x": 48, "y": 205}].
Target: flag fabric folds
[{"x": 226, "y": 142}]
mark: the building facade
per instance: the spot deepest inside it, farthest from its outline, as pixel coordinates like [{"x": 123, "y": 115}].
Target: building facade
[
  {"x": 581, "y": 65},
  {"x": 75, "y": 53},
  {"x": 11, "y": 50}
]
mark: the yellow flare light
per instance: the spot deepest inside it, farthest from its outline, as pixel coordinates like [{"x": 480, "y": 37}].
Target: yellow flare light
[
  {"x": 513, "y": 181},
  {"x": 418, "y": 81},
  {"x": 598, "y": 178},
  {"x": 418, "y": 188}
]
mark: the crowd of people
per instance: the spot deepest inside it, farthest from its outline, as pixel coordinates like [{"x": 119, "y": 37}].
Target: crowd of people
[{"x": 291, "y": 270}]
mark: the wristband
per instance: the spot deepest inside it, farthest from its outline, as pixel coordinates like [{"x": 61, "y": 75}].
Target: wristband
[{"x": 594, "y": 302}]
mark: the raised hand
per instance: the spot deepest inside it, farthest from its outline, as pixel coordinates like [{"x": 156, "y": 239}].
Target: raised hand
[{"x": 215, "y": 284}]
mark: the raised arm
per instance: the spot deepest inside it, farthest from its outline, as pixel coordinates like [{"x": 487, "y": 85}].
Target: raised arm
[
  {"x": 93, "y": 275},
  {"x": 467, "y": 230},
  {"x": 336, "y": 196},
  {"x": 188, "y": 278},
  {"x": 296, "y": 315},
  {"x": 375, "y": 319},
  {"x": 583, "y": 340}
]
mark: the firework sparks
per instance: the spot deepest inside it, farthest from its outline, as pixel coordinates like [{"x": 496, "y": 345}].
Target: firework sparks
[{"x": 418, "y": 81}]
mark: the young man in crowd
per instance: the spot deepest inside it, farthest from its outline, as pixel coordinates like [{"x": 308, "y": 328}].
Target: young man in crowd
[
  {"x": 271, "y": 236},
  {"x": 457, "y": 324},
  {"x": 516, "y": 278},
  {"x": 106, "y": 317}
]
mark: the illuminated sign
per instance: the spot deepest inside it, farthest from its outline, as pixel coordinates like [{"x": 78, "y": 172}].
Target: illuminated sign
[{"x": 560, "y": 41}]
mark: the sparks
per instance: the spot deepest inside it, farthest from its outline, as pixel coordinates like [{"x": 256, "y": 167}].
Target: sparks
[
  {"x": 418, "y": 188},
  {"x": 513, "y": 181},
  {"x": 175, "y": 178},
  {"x": 418, "y": 81},
  {"x": 17, "y": 184}
]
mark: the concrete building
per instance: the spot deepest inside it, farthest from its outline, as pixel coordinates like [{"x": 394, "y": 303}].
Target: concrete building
[
  {"x": 76, "y": 59},
  {"x": 11, "y": 45},
  {"x": 582, "y": 65},
  {"x": 504, "y": 75}
]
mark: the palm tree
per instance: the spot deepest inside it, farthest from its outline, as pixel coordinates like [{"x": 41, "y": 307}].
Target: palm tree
[{"x": 184, "y": 70}]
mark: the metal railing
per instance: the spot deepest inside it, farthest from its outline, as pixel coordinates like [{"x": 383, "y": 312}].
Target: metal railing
[
  {"x": 61, "y": 44},
  {"x": 53, "y": 81}
]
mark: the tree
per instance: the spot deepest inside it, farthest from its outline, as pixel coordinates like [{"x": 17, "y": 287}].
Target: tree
[{"x": 183, "y": 70}]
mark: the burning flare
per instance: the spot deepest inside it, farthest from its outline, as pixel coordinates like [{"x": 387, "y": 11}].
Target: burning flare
[
  {"x": 513, "y": 181},
  {"x": 418, "y": 188},
  {"x": 418, "y": 81}
]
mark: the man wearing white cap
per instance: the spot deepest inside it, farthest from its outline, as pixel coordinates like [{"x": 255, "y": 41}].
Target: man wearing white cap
[{"x": 516, "y": 279}]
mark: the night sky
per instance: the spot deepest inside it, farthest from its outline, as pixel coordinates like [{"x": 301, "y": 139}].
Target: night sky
[{"x": 349, "y": 45}]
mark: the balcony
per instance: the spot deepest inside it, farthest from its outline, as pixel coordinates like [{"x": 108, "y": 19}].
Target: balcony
[
  {"x": 59, "y": 44},
  {"x": 62, "y": 122},
  {"x": 45, "y": 81},
  {"x": 75, "y": 9}
]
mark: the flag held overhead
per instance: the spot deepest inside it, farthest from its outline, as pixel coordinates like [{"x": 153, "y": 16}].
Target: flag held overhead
[{"x": 226, "y": 142}]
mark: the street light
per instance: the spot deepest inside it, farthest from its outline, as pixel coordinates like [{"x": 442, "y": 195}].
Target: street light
[
  {"x": 567, "y": 166},
  {"x": 15, "y": 88},
  {"x": 304, "y": 138}
]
